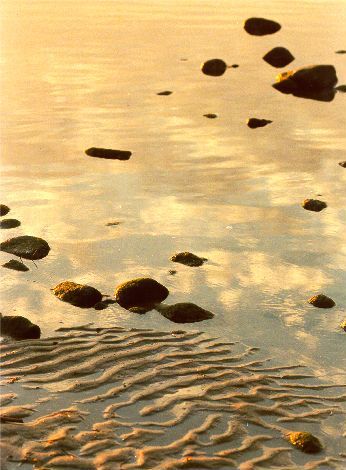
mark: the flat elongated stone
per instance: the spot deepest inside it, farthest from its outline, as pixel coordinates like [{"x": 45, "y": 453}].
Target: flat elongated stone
[
  {"x": 9, "y": 223},
  {"x": 314, "y": 205},
  {"x": 15, "y": 265},
  {"x": 261, "y": 26},
  {"x": 187, "y": 258},
  {"x": 214, "y": 67},
  {"x": 108, "y": 154},
  {"x": 26, "y": 246},
  {"x": 19, "y": 327},
  {"x": 79, "y": 295},
  {"x": 341, "y": 88},
  {"x": 321, "y": 301},
  {"x": 278, "y": 57},
  {"x": 141, "y": 292},
  {"x": 165, "y": 93},
  {"x": 184, "y": 312},
  {"x": 253, "y": 123},
  {"x": 210, "y": 115},
  {"x": 305, "y": 441}
]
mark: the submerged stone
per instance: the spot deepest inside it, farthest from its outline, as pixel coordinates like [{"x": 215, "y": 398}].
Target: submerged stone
[
  {"x": 261, "y": 26},
  {"x": 214, "y": 67},
  {"x": 189, "y": 259},
  {"x": 79, "y": 295},
  {"x": 15, "y": 265},
  {"x": 314, "y": 205},
  {"x": 321, "y": 301},
  {"x": 184, "y": 312},
  {"x": 26, "y": 246},
  {"x": 4, "y": 209},
  {"x": 278, "y": 57},
  {"x": 305, "y": 441},
  {"x": 9, "y": 223},
  {"x": 165, "y": 93},
  {"x": 19, "y": 327},
  {"x": 109, "y": 154},
  {"x": 210, "y": 115},
  {"x": 253, "y": 123},
  {"x": 343, "y": 164},
  {"x": 141, "y": 292}
]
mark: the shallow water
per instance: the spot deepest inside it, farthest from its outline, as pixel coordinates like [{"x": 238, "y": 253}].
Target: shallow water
[{"x": 86, "y": 74}]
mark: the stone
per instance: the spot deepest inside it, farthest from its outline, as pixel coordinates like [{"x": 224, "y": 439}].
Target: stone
[
  {"x": 9, "y": 223},
  {"x": 343, "y": 325},
  {"x": 261, "y": 26},
  {"x": 79, "y": 295},
  {"x": 234, "y": 66},
  {"x": 112, "y": 224},
  {"x": 341, "y": 51},
  {"x": 278, "y": 57},
  {"x": 184, "y": 312},
  {"x": 341, "y": 88},
  {"x": 187, "y": 258},
  {"x": 108, "y": 154},
  {"x": 214, "y": 67},
  {"x": 305, "y": 441},
  {"x": 26, "y": 247},
  {"x": 15, "y": 265},
  {"x": 210, "y": 115},
  {"x": 314, "y": 205},
  {"x": 321, "y": 301},
  {"x": 19, "y": 327},
  {"x": 343, "y": 164},
  {"x": 141, "y": 292},
  {"x": 165, "y": 93},
  {"x": 253, "y": 123},
  {"x": 172, "y": 272},
  {"x": 4, "y": 209}
]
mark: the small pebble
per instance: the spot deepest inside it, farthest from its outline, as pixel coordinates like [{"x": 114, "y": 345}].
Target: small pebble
[
  {"x": 4, "y": 209},
  {"x": 210, "y": 115},
  {"x": 165, "y": 93},
  {"x": 305, "y": 441},
  {"x": 313, "y": 205},
  {"x": 343, "y": 164},
  {"x": 253, "y": 123},
  {"x": 321, "y": 301},
  {"x": 214, "y": 67}
]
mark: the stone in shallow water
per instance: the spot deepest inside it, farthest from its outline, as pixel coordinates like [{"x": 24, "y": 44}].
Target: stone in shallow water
[
  {"x": 108, "y": 154},
  {"x": 253, "y": 123},
  {"x": 141, "y": 292},
  {"x": 79, "y": 295},
  {"x": 4, "y": 209},
  {"x": 261, "y": 26},
  {"x": 305, "y": 441},
  {"x": 165, "y": 93},
  {"x": 184, "y": 312},
  {"x": 26, "y": 246},
  {"x": 314, "y": 205},
  {"x": 278, "y": 57},
  {"x": 15, "y": 265},
  {"x": 214, "y": 67},
  {"x": 343, "y": 164},
  {"x": 321, "y": 301},
  {"x": 19, "y": 327},
  {"x": 210, "y": 115},
  {"x": 187, "y": 258},
  {"x": 9, "y": 223}
]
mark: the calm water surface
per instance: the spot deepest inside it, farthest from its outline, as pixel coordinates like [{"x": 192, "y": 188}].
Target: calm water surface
[{"x": 85, "y": 73}]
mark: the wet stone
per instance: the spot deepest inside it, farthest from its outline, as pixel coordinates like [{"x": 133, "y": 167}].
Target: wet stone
[
  {"x": 278, "y": 57},
  {"x": 9, "y": 223},
  {"x": 210, "y": 115},
  {"x": 321, "y": 301},
  {"x": 261, "y": 26},
  {"x": 189, "y": 259},
  {"x": 15, "y": 265},
  {"x": 4, "y": 209},
  {"x": 26, "y": 246},
  {"x": 79, "y": 295},
  {"x": 141, "y": 292},
  {"x": 343, "y": 164},
  {"x": 19, "y": 327},
  {"x": 314, "y": 205},
  {"x": 305, "y": 441},
  {"x": 108, "y": 154},
  {"x": 214, "y": 67},
  {"x": 253, "y": 123},
  {"x": 165, "y": 93},
  {"x": 184, "y": 312}
]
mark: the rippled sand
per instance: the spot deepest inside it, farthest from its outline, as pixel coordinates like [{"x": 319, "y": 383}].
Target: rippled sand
[{"x": 114, "y": 398}]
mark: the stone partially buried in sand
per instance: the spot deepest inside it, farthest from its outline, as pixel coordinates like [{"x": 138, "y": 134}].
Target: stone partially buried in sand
[
  {"x": 253, "y": 123},
  {"x": 321, "y": 301},
  {"x": 19, "y": 327},
  {"x": 141, "y": 292},
  {"x": 214, "y": 67},
  {"x": 187, "y": 258},
  {"x": 15, "y": 265},
  {"x": 108, "y": 154},
  {"x": 305, "y": 441},
  {"x": 4, "y": 209},
  {"x": 26, "y": 246},
  {"x": 261, "y": 26},
  {"x": 79, "y": 295},
  {"x": 278, "y": 57},
  {"x": 9, "y": 223},
  {"x": 184, "y": 312},
  {"x": 314, "y": 205}
]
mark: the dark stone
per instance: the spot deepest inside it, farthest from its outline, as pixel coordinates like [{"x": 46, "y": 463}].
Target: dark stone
[
  {"x": 187, "y": 258},
  {"x": 210, "y": 115},
  {"x": 9, "y": 223},
  {"x": 19, "y": 327},
  {"x": 141, "y": 292},
  {"x": 341, "y": 51},
  {"x": 4, "y": 209},
  {"x": 278, "y": 57},
  {"x": 343, "y": 164},
  {"x": 184, "y": 312},
  {"x": 234, "y": 66},
  {"x": 305, "y": 442},
  {"x": 314, "y": 205},
  {"x": 26, "y": 246},
  {"x": 112, "y": 224},
  {"x": 165, "y": 93},
  {"x": 104, "y": 304},
  {"x": 253, "y": 123},
  {"x": 109, "y": 154},
  {"x": 341, "y": 88},
  {"x": 172, "y": 272},
  {"x": 261, "y": 26},
  {"x": 214, "y": 67},
  {"x": 79, "y": 295},
  {"x": 321, "y": 301},
  {"x": 15, "y": 265}
]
